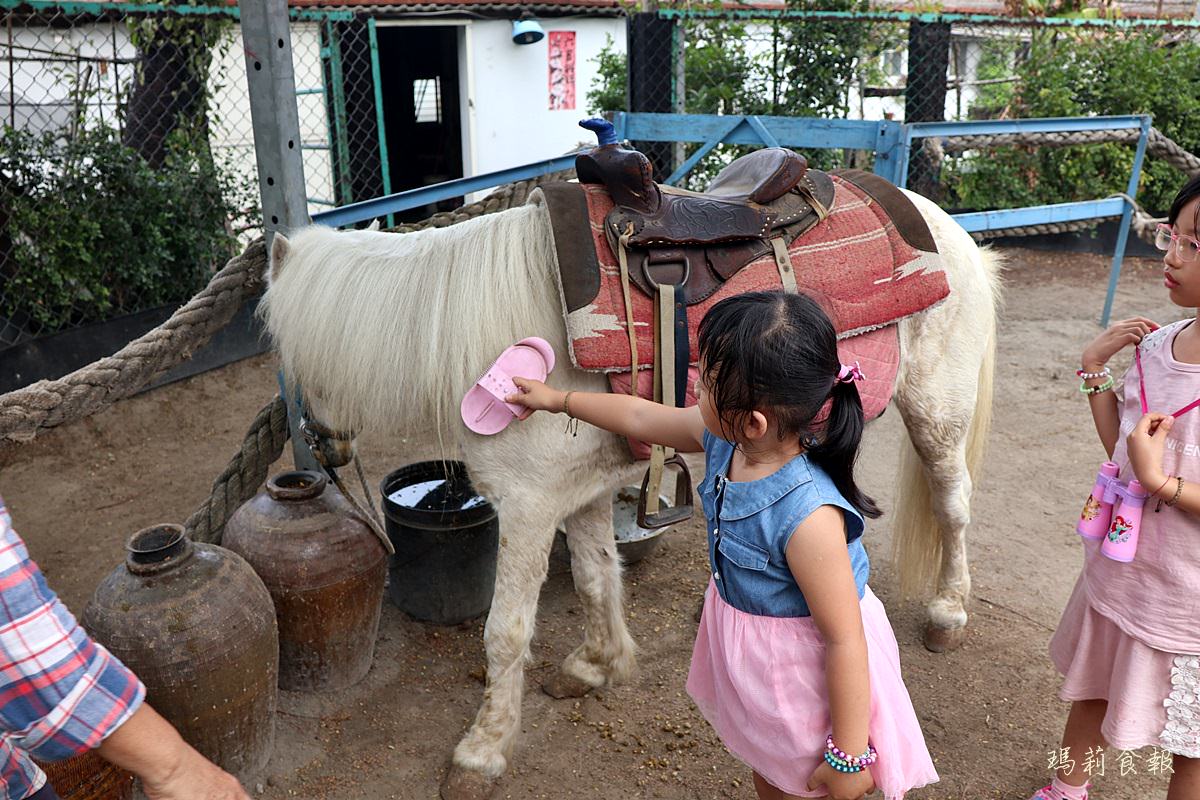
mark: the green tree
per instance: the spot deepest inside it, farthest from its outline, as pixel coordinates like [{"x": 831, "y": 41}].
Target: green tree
[{"x": 1082, "y": 73}]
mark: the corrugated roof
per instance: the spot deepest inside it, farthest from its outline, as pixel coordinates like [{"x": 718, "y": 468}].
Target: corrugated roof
[
  {"x": 1159, "y": 9},
  {"x": 491, "y": 7},
  {"x": 1145, "y": 9}
]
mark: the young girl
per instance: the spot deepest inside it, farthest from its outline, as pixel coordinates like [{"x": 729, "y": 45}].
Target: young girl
[
  {"x": 795, "y": 664},
  {"x": 1128, "y": 641}
]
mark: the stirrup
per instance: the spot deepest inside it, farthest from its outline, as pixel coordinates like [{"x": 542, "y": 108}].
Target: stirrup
[{"x": 681, "y": 511}]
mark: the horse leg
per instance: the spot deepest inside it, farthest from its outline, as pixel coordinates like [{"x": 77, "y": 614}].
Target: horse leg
[
  {"x": 607, "y": 652},
  {"x": 942, "y": 450},
  {"x": 527, "y": 522}
]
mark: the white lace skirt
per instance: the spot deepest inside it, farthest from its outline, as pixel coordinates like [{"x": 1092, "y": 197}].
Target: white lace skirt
[{"x": 1153, "y": 696}]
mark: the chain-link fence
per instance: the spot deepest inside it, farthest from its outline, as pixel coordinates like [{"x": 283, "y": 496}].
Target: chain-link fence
[
  {"x": 870, "y": 65},
  {"x": 127, "y": 166}
]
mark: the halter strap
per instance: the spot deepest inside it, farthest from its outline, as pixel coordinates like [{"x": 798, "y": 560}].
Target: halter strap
[{"x": 1137, "y": 357}]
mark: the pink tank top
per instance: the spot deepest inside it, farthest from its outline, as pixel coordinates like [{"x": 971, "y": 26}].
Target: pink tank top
[{"x": 1156, "y": 597}]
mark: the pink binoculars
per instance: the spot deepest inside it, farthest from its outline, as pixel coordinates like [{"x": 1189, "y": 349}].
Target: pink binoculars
[{"x": 1113, "y": 512}]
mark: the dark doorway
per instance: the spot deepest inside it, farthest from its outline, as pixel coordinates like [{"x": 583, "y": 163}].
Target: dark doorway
[{"x": 419, "y": 77}]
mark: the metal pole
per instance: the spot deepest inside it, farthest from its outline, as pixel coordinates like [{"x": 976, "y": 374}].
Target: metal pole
[
  {"x": 341, "y": 135},
  {"x": 12, "y": 88},
  {"x": 267, "y": 40},
  {"x": 1114, "y": 272},
  {"x": 679, "y": 88},
  {"x": 385, "y": 167}
]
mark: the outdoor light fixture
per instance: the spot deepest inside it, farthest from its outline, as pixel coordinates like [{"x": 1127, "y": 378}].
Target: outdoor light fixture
[{"x": 527, "y": 30}]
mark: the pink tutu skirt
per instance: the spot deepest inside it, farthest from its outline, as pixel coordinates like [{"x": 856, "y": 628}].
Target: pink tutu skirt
[
  {"x": 1153, "y": 695},
  {"x": 760, "y": 682}
]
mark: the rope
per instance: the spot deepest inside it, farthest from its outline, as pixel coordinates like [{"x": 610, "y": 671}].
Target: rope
[
  {"x": 1158, "y": 144},
  {"x": 1162, "y": 147},
  {"x": 26, "y": 412},
  {"x": 244, "y": 475}
]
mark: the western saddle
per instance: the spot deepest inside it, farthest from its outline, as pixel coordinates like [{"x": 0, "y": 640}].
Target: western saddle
[{"x": 679, "y": 247}]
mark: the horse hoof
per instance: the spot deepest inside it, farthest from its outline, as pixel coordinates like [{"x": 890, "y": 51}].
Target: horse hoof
[
  {"x": 466, "y": 784},
  {"x": 943, "y": 640},
  {"x": 560, "y": 685}
]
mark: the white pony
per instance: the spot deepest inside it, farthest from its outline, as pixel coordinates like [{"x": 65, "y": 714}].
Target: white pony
[{"x": 386, "y": 332}]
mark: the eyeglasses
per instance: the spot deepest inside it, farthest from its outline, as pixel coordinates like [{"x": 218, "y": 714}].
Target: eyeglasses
[{"x": 1186, "y": 246}]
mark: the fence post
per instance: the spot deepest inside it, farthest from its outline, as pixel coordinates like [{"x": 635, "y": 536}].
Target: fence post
[
  {"x": 925, "y": 95},
  {"x": 651, "y": 78},
  {"x": 266, "y": 38}
]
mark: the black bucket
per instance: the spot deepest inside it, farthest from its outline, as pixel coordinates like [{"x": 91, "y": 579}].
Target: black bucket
[{"x": 446, "y": 537}]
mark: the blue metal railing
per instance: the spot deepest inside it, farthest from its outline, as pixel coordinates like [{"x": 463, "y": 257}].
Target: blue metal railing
[
  {"x": 890, "y": 141},
  {"x": 416, "y": 198}
]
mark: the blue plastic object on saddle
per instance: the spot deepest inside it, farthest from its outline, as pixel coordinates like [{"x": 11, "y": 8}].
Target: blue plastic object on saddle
[{"x": 604, "y": 130}]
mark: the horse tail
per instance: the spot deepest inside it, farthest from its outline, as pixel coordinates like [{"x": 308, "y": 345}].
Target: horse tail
[{"x": 917, "y": 535}]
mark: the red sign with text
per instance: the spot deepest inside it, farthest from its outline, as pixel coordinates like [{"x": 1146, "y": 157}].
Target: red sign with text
[{"x": 562, "y": 70}]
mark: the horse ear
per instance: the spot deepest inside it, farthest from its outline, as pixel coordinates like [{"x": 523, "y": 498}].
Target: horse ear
[
  {"x": 279, "y": 251},
  {"x": 374, "y": 226}
]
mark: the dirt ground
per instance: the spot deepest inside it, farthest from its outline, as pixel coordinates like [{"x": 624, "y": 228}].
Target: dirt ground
[{"x": 988, "y": 710}]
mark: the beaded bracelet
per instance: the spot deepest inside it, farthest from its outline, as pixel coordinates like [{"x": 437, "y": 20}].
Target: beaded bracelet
[
  {"x": 865, "y": 760},
  {"x": 839, "y": 765},
  {"x": 1178, "y": 491},
  {"x": 1097, "y": 389},
  {"x": 1087, "y": 376}
]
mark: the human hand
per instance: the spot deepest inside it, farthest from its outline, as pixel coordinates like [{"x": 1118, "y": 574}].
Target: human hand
[
  {"x": 193, "y": 777},
  {"x": 1118, "y": 336},
  {"x": 536, "y": 395},
  {"x": 1146, "y": 443},
  {"x": 842, "y": 785}
]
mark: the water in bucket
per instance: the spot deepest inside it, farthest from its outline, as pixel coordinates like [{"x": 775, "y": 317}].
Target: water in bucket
[{"x": 437, "y": 495}]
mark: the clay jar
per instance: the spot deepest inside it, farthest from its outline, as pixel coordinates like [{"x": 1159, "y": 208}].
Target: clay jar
[
  {"x": 325, "y": 570},
  {"x": 197, "y": 626}
]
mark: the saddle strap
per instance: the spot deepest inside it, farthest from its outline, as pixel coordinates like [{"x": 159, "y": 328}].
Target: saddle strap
[
  {"x": 623, "y": 258},
  {"x": 784, "y": 262},
  {"x": 664, "y": 387}
]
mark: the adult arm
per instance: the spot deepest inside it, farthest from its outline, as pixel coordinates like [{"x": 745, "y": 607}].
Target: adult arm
[{"x": 170, "y": 769}]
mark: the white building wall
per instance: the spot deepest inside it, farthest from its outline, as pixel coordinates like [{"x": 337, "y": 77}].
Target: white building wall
[
  {"x": 232, "y": 133},
  {"x": 507, "y": 120}
]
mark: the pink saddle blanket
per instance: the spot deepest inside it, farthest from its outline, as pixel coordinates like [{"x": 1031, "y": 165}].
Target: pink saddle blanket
[{"x": 864, "y": 271}]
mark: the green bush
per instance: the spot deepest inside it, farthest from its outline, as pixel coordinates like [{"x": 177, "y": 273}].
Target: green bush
[
  {"x": 1068, "y": 73},
  {"x": 807, "y": 71},
  {"x": 91, "y": 231}
]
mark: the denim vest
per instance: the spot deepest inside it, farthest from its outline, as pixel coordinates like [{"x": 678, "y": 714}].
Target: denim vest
[{"x": 757, "y": 518}]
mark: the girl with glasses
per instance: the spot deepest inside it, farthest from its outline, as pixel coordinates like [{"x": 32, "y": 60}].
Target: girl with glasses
[{"x": 1128, "y": 644}]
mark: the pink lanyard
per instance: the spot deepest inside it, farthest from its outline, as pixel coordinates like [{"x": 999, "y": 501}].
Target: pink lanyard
[{"x": 1137, "y": 356}]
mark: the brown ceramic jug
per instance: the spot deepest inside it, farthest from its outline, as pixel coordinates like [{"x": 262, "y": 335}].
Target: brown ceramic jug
[
  {"x": 197, "y": 626},
  {"x": 88, "y": 777},
  {"x": 325, "y": 570}
]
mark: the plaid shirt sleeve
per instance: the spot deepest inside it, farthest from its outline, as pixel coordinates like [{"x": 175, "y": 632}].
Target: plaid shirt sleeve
[{"x": 60, "y": 692}]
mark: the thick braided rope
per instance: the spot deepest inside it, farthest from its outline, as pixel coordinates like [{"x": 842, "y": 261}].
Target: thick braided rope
[
  {"x": 510, "y": 195},
  {"x": 46, "y": 404},
  {"x": 1166, "y": 149},
  {"x": 1158, "y": 144},
  {"x": 244, "y": 475},
  {"x": 956, "y": 144}
]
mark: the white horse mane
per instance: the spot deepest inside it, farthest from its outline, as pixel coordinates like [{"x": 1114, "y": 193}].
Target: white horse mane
[{"x": 416, "y": 316}]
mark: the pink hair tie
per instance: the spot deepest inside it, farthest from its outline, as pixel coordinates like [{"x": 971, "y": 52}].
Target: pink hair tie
[{"x": 850, "y": 372}]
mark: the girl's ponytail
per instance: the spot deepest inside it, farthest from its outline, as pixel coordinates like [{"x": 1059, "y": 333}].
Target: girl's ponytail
[
  {"x": 837, "y": 449},
  {"x": 777, "y": 351}
]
